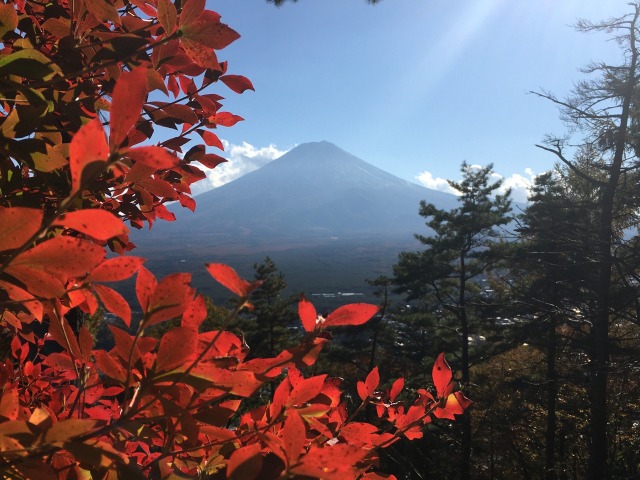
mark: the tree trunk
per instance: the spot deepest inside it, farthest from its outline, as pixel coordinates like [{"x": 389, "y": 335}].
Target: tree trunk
[
  {"x": 598, "y": 447},
  {"x": 552, "y": 388},
  {"x": 465, "y": 451}
]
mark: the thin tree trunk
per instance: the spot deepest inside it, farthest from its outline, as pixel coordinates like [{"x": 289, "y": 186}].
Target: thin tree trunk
[
  {"x": 552, "y": 388},
  {"x": 599, "y": 448},
  {"x": 465, "y": 452}
]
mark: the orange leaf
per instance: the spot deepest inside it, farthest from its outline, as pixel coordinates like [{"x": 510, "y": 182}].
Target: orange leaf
[
  {"x": 8, "y": 19},
  {"x": 129, "y": 96},
  {"x": 353, "y": 314},
  {"x": 96, "y": 223},
  {"x": 228, "y": 277},
  {"x": 17, "y": 225},
  {"x": 88, "y": 153}
]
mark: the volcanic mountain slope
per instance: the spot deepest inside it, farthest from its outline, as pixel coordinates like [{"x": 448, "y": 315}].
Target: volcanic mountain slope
[{"x": 317, "y": 193}]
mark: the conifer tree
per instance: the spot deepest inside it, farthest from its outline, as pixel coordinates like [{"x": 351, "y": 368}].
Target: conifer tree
[{"x": 458, "y": 253}]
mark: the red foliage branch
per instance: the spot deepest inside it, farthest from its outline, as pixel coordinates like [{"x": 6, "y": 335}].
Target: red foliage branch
[{"x": 78, "y": 161}]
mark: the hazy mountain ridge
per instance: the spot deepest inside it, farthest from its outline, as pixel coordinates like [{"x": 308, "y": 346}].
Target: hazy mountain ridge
[
  {"x": 327, "y": 218},
  {"x": 314, "y": 192}
]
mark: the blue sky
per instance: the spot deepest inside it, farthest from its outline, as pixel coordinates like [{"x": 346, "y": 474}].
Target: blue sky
[{"x": 412, "y": 86}]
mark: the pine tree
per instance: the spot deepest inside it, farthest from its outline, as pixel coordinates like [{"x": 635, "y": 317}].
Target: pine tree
[{"x": 458, "y": 253}]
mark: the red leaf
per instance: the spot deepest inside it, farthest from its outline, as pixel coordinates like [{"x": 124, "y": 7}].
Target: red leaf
[
  {"x": 17, "y": 225},
  {"x": 10, "y": 404},
  {"x": 306, "y": 390},
  {"x": 114, "y": 303},
  {"x": 103, "y": 10},
  {"x": 207, "y": 31},
  {"x": 8, "y": 19},
  {"x": 128, "y": 98},
  {"x": 195, "y": 314},
  {"x": 187, "y": 202},
  {"x": 176, "y": 347},
  {"x": 191, "y": 11},
  {"x": 109, "y": 366},
  {"x": 155, "y": 157},
  {"x": 294, "y": 436},
  {"x": 62, "y": 333},
  {"x": 442, "y": 375},
  {"x": 88, "y": 153},
  {"x": 245, "y": 463},
  {"x": 211, "y": 160},
  {"x": 96, "y": 223},
  {"x": 237, "y": 83},
  {"x": 85, "y": 340},
  {"x": 225, "y": 119},
  {"x": 228, "y": 277},
  {"x": 65, "y": 430},
  {"x": 353, "y": 314},
  {"x": 170, "y": 299},
  {"x": 38, "y": 282},
  {"x": 211, "y": 139},
  {"x": 19, "y": 295},
  {"x": 372, "y": 381},
  {"x": 202, "y": 56},
  {"x": 396, "y": 388},
  {"x": 115, "y": 269},
  {"x": 145, "y": 286},
  {"x": 167, "y": 15},
  {"x": 308, "y": 315},
  {"x": 54, "y": 255},
  {"x": 362, "y": 390}
]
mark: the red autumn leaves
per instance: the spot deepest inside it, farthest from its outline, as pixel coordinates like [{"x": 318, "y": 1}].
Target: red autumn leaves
[{"x": 79, "y": 164}]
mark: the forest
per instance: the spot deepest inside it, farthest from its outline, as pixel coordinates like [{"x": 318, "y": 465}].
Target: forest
[{"x": 506, "y": 347}]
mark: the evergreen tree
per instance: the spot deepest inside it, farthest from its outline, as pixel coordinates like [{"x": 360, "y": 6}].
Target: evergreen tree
[
  {"x": 603, "y": 109},
  {"x": 458, "y": 253},
  {"x": 268, "y": 328}
]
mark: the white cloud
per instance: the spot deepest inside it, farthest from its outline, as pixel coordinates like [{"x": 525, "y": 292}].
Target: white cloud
[
  {"x": 242, "y": 159},
  {"x": 435, "y": 183},
  {"x": 518, "y": 183}
]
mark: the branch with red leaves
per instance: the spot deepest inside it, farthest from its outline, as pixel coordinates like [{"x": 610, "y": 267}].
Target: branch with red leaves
[{"x": 81, "y": 95}]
